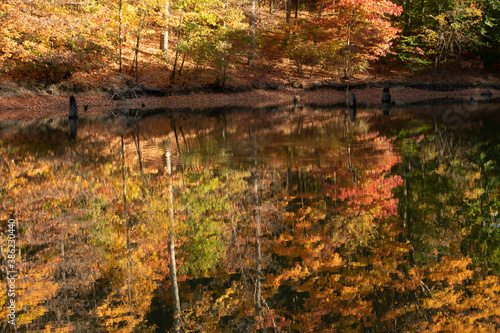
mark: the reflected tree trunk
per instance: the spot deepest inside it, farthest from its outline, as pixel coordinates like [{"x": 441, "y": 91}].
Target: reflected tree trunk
[
  {"x": 407, "y": 233},
  {"x": 440, "y": 155},
  {"x": 300, "y": 188},
  {"x": 180, "y": 151},
  {"x": 257, "y": 220},
  {"x": 139, "y": 156},
  {"x": 127, "y": 223},
  {"x": 173, "y": 269},
  {"x": 184, "y": 139}
]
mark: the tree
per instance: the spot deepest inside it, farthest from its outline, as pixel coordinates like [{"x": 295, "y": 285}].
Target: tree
[
  {"x": 120, "y": 35},
  {"x": 364, "y": 29},
  {"x": 455, "y": 28},
  {"x": 50, "y": 41}
]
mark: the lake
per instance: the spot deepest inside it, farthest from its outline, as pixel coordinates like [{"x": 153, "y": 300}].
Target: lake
[{"x": 279, "y": 220}]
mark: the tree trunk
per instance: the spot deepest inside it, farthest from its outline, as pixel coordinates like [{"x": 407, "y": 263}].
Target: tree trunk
[
  {"x": 252, "y": 23},
  {"x": 422, "y": 12},
  {"x": 137, "y": 44},
  {"x": 164, "y": 34},
  {"x": 288, "y": 10},
  {"x": 436, "y": 59},
  {"x": 120, "y": 37},
  {"x": 297, "y": 9},
  {"x": 136, "y": 57},
  {"x": 172, "y": 77},
  {"x": 183, "y": 58},
  {"x": 317, "y": 26},
  {"x": 347, "y": 70},
  {"x": 443, "y": 69},
  {"x": 173, "y": 269}
]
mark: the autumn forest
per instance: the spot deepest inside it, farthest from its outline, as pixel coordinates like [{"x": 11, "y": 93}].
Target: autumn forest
[{"x": 218, "y": 42}]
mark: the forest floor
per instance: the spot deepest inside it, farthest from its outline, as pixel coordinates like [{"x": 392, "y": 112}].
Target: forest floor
[{"x": 265, "y": 85}]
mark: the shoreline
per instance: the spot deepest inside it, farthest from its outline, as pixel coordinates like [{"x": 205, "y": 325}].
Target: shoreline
[{"x": 30, "y": 106}]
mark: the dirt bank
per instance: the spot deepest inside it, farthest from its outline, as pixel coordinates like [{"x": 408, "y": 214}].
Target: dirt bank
[{"x": 29, "y": 106}]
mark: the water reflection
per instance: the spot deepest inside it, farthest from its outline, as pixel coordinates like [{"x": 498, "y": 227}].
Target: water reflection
[{"x": 283, "y": 221}]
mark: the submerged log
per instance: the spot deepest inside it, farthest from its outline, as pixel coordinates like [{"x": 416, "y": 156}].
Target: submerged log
[{"x": 487, "y": 94}]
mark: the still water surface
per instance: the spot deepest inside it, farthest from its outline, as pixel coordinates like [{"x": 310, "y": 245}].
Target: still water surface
[{"x": 282, "y": 220}]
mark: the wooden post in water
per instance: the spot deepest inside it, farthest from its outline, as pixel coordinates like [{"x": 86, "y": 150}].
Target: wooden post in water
[
  {"x": 73, "y": 108},
  {"x": 386, "y": 95},
  {"x": 386, "y": 101}
]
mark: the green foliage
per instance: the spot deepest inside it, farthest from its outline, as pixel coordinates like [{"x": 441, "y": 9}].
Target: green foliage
[
  {"x": 207, "y": 210},
  {"x": 409, "y": 51},
  {"x": 490, "y": 31}
]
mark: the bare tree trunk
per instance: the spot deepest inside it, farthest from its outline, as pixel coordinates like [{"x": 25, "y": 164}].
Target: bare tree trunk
[
  {"x": 137, "y": 44},
  {"x": 445, "y": 56},
  {"x": 436, "y": 59},
  {"x": 173, "y": 269},
  {"x": 288, "y": 10},
  {"x": 183, "y": 57},
  {"x": 319, "y": 17},
  {"x": 297, "y": 9},
  {"x": 172, "y": 77},
  {"x": 164, "y": 36},
  {"x": 120, "y": 37},
  {"x": 347, "y": 73},
  {"x": 252, "y": 23}
]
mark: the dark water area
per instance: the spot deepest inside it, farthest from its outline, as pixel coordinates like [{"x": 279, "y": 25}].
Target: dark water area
[{"x": 279, "y": 220}]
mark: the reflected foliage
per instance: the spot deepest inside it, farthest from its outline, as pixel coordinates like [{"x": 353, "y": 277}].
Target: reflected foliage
[{"x": 380, "y": 225}]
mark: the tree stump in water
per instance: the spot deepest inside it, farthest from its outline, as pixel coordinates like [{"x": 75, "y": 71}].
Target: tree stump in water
[
  {"x": 73, "y": 118},
  {"x": 73, "y": 108},
  {"x": 386, "y": 95},
  {"x": 352, "y": 107}
]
